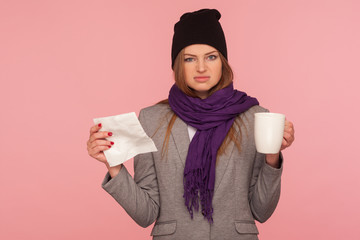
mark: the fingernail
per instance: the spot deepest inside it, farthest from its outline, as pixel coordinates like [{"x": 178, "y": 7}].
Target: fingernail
[
  {"x": 99, "y": 124},
  {"x": 112, "y": 143},
  {"x": 110, "y": 133},
  {"x": 109, "y": 146}
]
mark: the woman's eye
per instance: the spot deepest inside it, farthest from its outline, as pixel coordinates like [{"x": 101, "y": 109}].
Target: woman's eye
[
  {"x": 212, "y": 57},
  {"x": 189, "y": 59}
]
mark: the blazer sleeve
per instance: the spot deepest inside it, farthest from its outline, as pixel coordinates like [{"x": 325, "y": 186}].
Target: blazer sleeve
[
  {"x": 264, "y": 188},
  {"x": 139, "y": 196}
]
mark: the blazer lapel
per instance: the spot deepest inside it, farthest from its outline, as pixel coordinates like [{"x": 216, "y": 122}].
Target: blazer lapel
[
  {"x": 222, "y": 164},
  {"x": 180, "y": 135}
]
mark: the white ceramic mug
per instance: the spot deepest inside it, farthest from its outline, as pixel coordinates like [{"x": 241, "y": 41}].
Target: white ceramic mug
[{"x": 269, "y": 132}]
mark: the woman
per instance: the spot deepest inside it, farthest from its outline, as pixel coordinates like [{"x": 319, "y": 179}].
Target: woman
[{"x": 208, "y": 181}]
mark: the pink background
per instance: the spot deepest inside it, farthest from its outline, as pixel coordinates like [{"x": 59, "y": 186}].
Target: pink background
[{"x": 63, "y": 63}]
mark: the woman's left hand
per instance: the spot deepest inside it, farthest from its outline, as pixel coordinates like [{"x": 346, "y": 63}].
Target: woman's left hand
[
  {"x": 288, "y": 139},
  {"x": 289, "y": 135}
]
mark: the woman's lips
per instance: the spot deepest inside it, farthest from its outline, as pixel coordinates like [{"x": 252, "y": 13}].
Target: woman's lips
[{"x": 201, "y": 78}]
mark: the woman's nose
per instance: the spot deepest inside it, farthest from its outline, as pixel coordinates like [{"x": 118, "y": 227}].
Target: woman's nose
[{"x": 201, "y": 66}]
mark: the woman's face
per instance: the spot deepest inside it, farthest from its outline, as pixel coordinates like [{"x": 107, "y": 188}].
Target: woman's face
[{"x": 202, "y": 67}]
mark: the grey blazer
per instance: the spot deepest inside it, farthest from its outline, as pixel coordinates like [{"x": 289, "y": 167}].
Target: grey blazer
[{"x": 246, "y": 188}]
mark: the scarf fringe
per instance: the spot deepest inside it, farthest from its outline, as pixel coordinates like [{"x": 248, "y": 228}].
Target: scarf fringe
[{"x": 194, "y": 183}]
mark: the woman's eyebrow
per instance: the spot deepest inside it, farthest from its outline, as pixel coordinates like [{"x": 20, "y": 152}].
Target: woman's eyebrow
[
  {"x": 211, "y": 52},
  {"x": 204, "y": 54}
]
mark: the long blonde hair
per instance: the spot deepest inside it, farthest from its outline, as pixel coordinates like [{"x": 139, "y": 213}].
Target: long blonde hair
[{"x": 226, "y": 79}]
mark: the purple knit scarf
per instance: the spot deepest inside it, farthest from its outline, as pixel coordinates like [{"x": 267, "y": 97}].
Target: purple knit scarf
[{"x": 212, "y": 117}]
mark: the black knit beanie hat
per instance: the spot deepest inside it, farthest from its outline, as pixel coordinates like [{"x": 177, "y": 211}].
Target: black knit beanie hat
[{"x": 199, "y": 27}]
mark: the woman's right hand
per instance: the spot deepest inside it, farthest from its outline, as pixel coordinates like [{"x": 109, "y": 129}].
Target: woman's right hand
[
  {"x": 96, "y": 146},
  {"x": 97, "y": 143}
]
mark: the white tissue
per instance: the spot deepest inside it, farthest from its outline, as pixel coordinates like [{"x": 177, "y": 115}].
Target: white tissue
[{"x": 128, "y": 136}]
